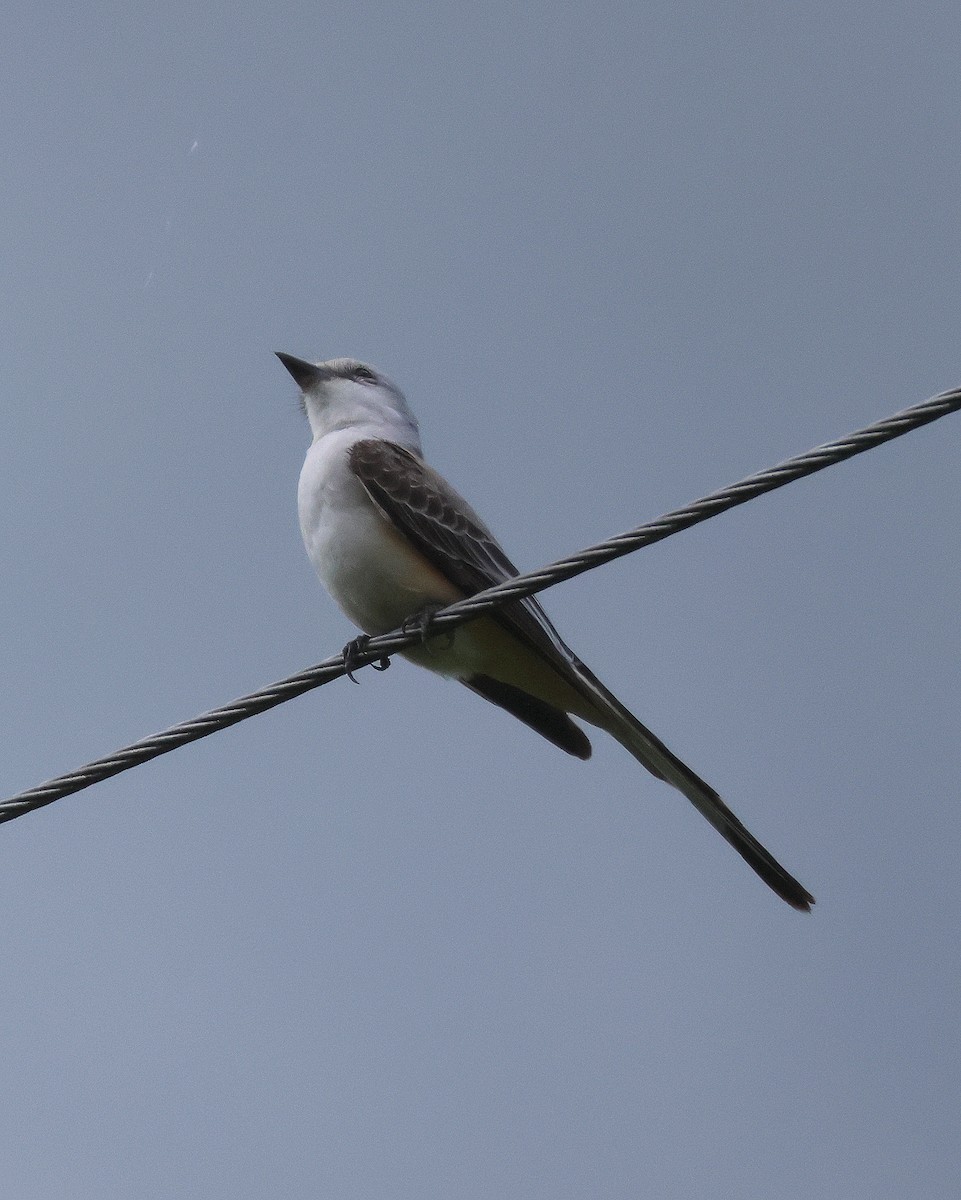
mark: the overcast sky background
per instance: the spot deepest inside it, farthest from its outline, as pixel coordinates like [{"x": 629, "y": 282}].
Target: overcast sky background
[{"x": 384, "y": 941}]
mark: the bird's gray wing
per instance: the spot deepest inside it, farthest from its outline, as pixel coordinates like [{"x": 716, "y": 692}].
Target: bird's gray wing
[
  {"x": 447, "y": 531},
  {"x": 450, "y": 535}
]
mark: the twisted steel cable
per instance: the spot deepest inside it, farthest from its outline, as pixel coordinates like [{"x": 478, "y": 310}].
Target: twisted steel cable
[{"x": 379, "y": 648}]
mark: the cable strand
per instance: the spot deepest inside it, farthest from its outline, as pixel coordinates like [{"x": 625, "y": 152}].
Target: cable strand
[{"x": 456, "y": 614}]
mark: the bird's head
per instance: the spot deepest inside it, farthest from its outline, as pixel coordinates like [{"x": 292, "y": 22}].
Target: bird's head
[{"x": 343, "y": 393}]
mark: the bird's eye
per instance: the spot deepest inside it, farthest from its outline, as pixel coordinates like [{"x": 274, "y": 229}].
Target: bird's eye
[{"x": 364, "y": 375}]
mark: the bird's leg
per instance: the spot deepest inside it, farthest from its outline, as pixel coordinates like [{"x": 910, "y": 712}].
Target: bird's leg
[
  {"x": 420, "y": 622},
  {"x": 352, "y": 652}
]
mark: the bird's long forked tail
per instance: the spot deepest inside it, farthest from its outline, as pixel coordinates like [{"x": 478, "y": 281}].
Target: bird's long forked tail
[{"x": 651, "y": 753}]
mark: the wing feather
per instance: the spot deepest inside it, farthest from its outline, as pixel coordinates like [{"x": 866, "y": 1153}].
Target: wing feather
[
  {"x": 447, "y": 531},
  {"x": 453, "y": 538}
]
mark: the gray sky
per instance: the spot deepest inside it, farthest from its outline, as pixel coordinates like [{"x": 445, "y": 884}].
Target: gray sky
[{"x": 384, "y": 941}]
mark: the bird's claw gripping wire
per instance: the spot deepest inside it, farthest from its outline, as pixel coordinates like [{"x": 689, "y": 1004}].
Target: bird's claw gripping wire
[
  {"x": 420, "y": 622},
  {"x": 351, "y": 655}
]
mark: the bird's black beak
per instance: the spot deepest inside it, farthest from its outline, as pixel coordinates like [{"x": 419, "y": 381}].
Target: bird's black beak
[{"x": 306, "y": 375}]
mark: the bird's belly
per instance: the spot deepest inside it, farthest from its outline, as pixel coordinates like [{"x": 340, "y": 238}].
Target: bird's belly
[
  {"x": 376, "y": 577},
  {"x": 485, "y": 647}
]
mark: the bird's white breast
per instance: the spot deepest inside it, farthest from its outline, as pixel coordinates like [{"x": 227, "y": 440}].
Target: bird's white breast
[{"x": 369, "y": 568}]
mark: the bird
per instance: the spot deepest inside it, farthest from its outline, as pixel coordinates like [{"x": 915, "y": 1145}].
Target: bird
[{"x": 392, "y": 542}]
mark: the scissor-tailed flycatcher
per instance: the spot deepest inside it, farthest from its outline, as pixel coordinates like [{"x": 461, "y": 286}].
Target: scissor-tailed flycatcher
[{"x": 391, "y": 540}]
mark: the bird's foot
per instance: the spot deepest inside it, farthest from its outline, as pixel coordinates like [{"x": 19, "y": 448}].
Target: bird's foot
[
  {"x": 352, "y": 653},
  {"x": 420, "y": 622}
]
